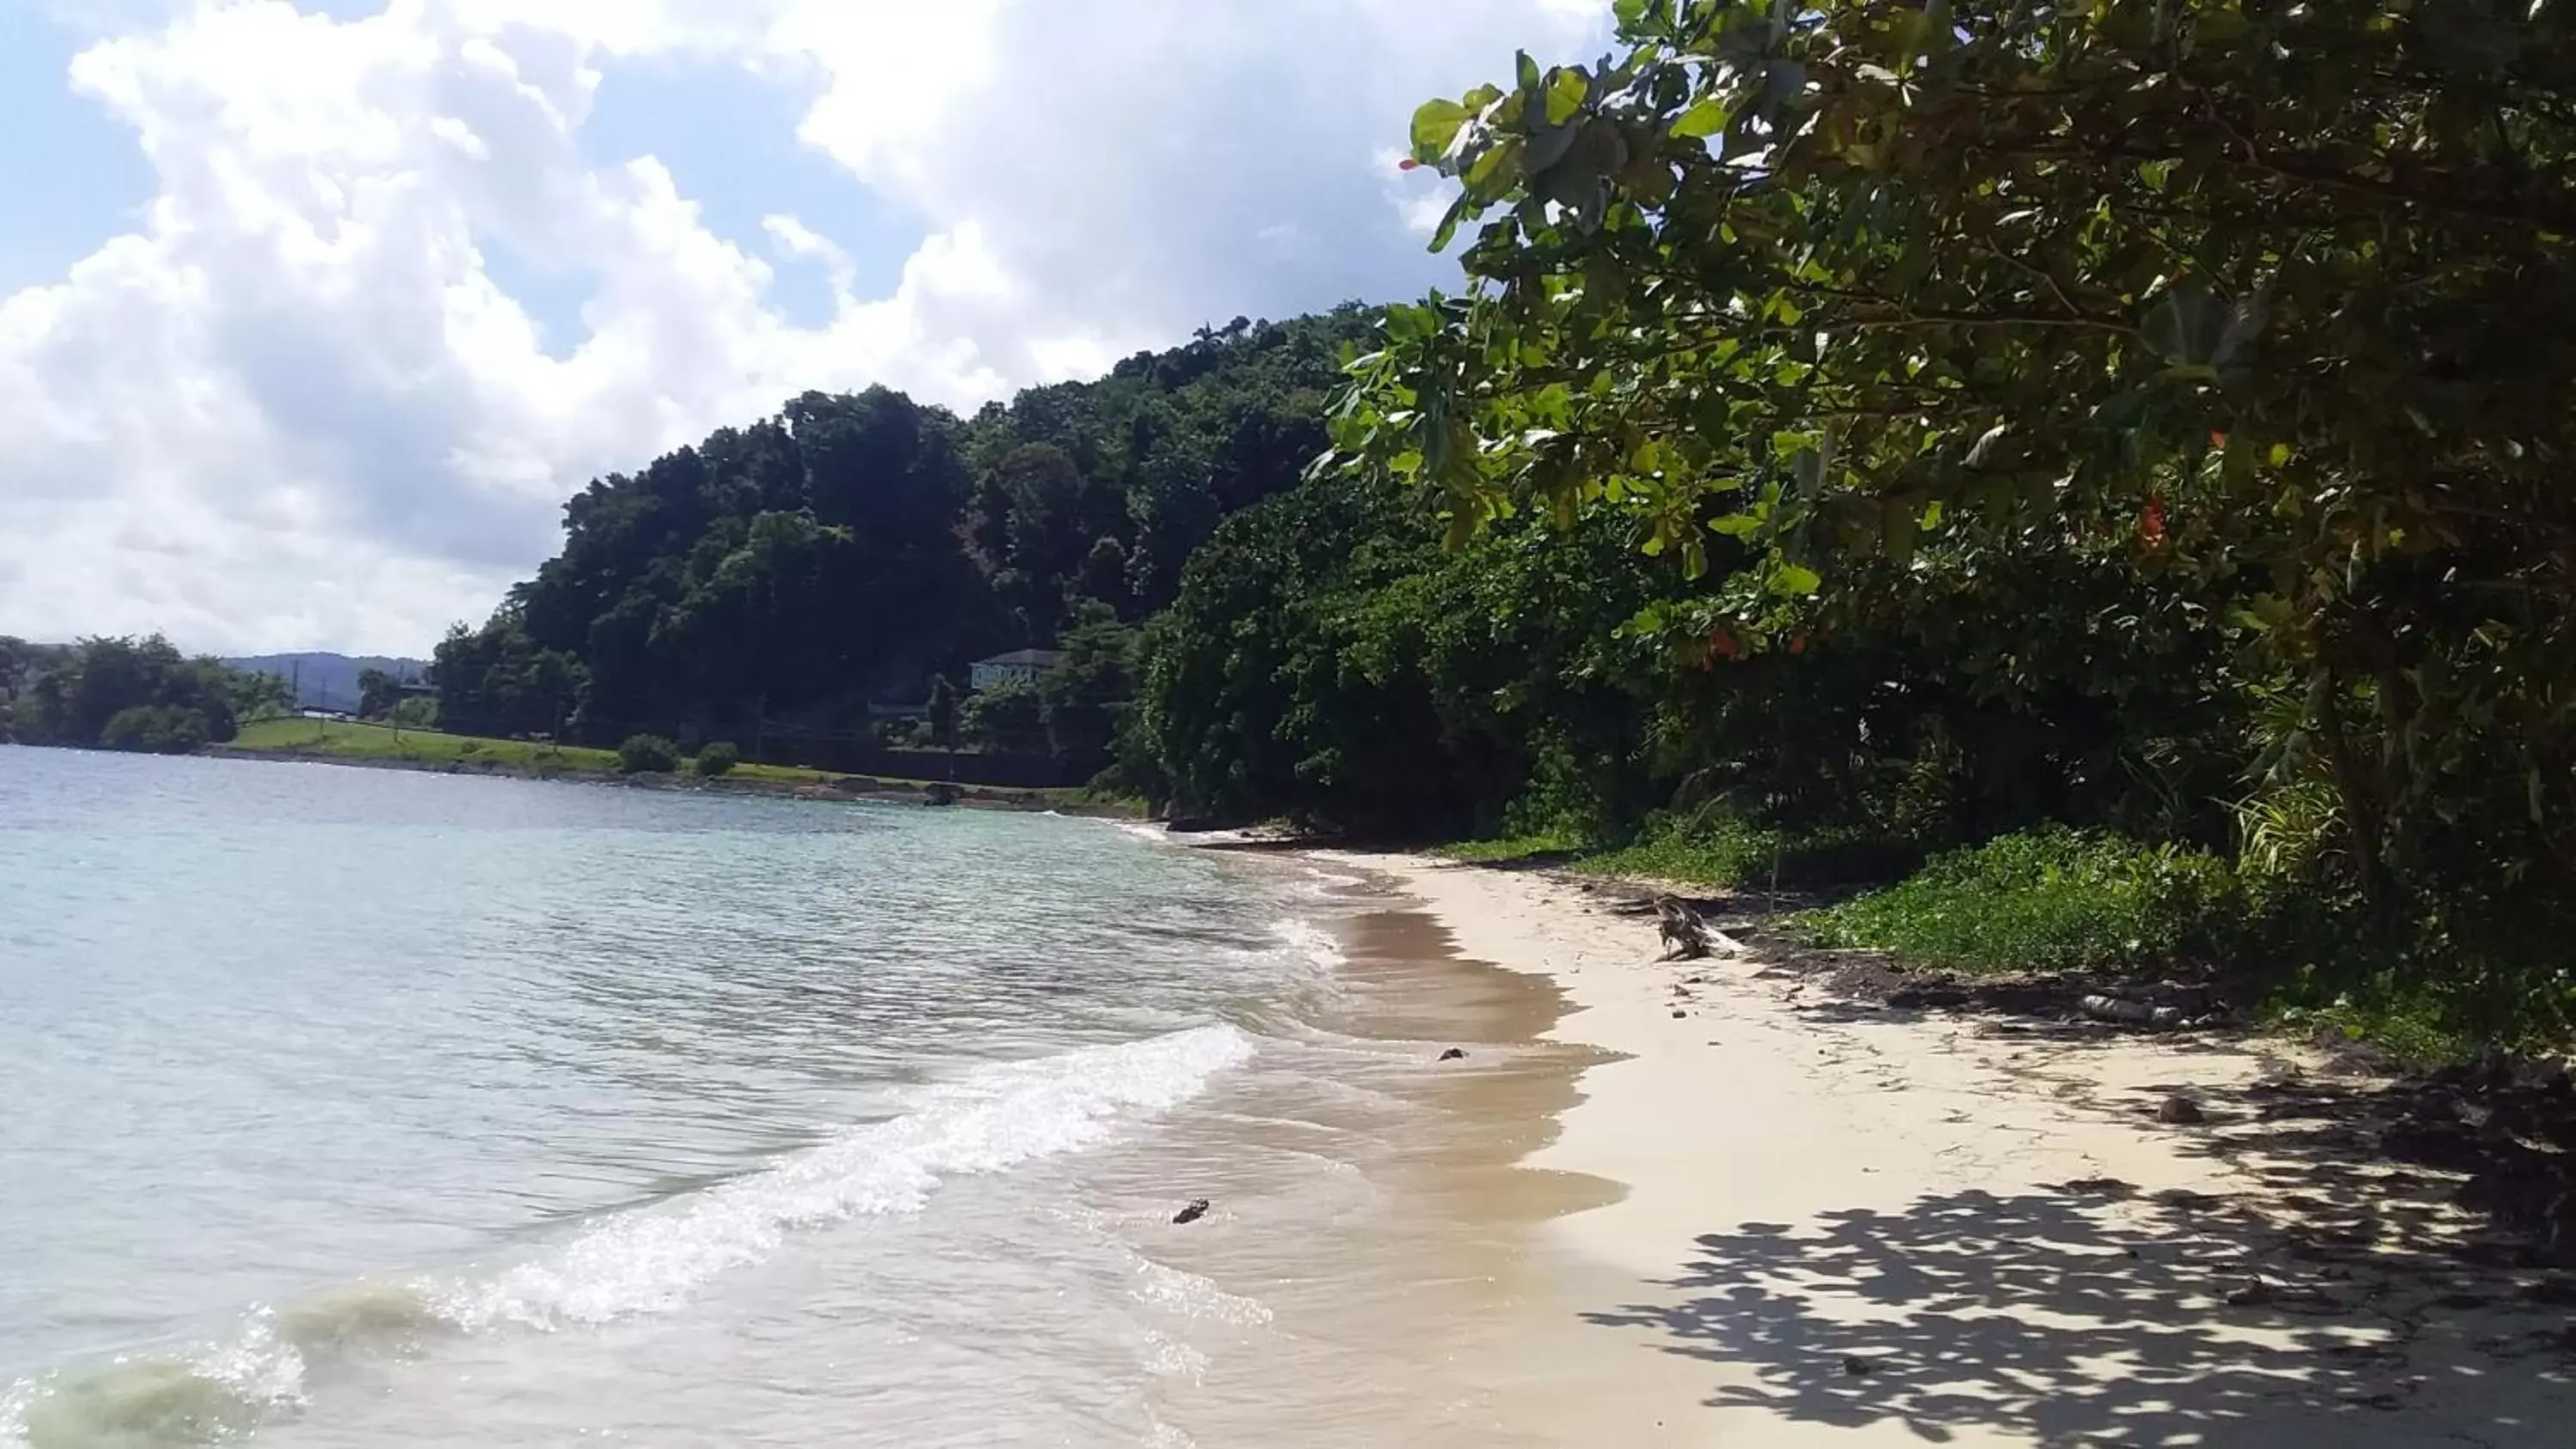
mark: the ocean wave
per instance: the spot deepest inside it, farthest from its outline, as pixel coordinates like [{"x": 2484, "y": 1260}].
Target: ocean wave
[
  {"x": 651, "y": 1260},
  {"x": 1189, "y": 1295},
  {"x": 1312, "y": 943},
  {"x": 218, "y": 1393},
  {"x": 643, "y": 1260}
]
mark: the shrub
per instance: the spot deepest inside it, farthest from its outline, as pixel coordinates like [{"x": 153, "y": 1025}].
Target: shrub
[
  {"x": 647, "y": 755},
  {"x": 1719, "y": 847},
  {"x": 718, "y": 759},
  {"x": 156, "y": 729},
  {"x": 2055, "y": 899}
]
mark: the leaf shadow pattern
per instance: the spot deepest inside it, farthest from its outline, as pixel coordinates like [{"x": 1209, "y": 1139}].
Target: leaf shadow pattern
[{"x": 2089, "y": 1314}]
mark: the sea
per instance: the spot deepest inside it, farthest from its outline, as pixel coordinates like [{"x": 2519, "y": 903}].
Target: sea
[{"x": 350, "y": 1107}]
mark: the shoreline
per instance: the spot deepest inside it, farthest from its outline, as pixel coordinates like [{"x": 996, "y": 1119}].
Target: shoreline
[
  {"x": 846, "y": 788},
  {"x": 1845, "y": 1222}
]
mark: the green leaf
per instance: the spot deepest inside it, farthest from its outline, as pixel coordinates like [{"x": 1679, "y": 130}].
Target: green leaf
[
  {"x": 1435, "y": 129},
  {"x": 1736, "y": 525},
  {"x": 1795, "y": 581},
  {"x": 1448, "y": 228},
  {"x": 1495, "y": 173},
  {"x": 1707, "y": 118},
  {"x": 1565, "y": 95}
]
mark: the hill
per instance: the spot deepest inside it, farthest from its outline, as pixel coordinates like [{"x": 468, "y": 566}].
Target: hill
[{"x": 325, "y": 681}]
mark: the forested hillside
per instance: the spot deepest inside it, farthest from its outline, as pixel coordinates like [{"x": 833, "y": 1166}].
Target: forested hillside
[
  {"x": 781, "y": 576},
  {"x": 2123, "y": 443}
]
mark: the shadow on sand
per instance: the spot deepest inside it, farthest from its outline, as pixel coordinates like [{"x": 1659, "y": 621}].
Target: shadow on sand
[{"x": 2356, "y": 1308}]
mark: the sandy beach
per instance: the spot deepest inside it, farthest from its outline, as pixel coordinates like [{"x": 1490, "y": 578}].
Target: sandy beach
[{"x": 1839, "y": 1222}]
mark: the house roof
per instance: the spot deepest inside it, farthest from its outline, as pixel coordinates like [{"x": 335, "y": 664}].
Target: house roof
[{"x": 1042, "y": 658}]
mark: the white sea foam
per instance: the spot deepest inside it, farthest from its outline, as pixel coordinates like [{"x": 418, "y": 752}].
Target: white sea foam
[
  {"x": 1189, "y": 1295},
  {"x": 650, "y": 1260},
  {"x": 220, "y": 1391},
  {"x": 1312, "y": 942},
  {"x": 1170, "y": 1358}
]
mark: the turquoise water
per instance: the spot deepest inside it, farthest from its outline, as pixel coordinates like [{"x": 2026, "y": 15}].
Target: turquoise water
[{"x": 361, "y": 1108}]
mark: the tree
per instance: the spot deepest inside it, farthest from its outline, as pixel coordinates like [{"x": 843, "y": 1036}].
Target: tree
[
  {"x": 155, "y": 729},
  {"x": 1087, "y": 697},
  {"x": 2264, "y": 307},
  {"x": 378, "y": 693},
  {"x": 72, "y": 696},
  {"x": 943, "y": 713},
  {"x": 1009, "y": 717}
]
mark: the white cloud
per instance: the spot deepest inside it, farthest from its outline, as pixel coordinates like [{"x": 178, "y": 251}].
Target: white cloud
[{"x": 295, "y": 408}]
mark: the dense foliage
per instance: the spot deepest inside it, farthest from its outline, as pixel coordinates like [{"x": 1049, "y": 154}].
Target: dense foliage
[
  {"x": 2057, "y": 900},
  {"x": 778, "y": 578},
  {"x": 2141, "y": 413},
  {"x": 128, "y": 694},
  {"x": 647, "y": 755}
]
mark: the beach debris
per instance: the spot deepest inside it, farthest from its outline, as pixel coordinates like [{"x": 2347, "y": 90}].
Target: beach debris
[
  {"x": 2093, "y": 1186},
  {"x": 1454, "y": 1054},
  {"x": 2131, "y": 1013},
  {"x": 2180, "y": 1111},
  {"x": 1859, "y": 1367},
  {"x": 1197, "y": 1209},
  {"x": 1678, "y": 1013},
  {"x": 1684, "y": 934},
  {"x": 2251, "y": 1293}
]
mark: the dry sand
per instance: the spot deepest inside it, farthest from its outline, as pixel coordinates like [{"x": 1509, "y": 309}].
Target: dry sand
[{"x": 1851, "y": 1224}]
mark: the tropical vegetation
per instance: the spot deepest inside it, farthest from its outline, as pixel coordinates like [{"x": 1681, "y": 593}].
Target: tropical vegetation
[
  {"x": 2140, "y": 415},
  {"x": 139, "y": 695}
]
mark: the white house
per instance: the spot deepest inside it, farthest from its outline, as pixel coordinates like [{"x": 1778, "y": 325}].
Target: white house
[{"x": 1020, "y": 666}]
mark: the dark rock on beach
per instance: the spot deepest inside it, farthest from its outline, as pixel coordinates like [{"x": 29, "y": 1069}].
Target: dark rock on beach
[{"x": 1197, "y": 1209}]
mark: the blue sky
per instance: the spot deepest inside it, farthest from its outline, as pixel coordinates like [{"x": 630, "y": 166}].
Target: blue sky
[{"x": 313, "y": 311}]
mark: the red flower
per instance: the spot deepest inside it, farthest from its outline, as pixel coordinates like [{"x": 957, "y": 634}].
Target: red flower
[
  {"x": 2217, "y": 439},
  {"x": 2151, "y": 524},
  {"x": 1407, "y": 164},
  {"x": 1798, "y": 642},
  {"x": 1723, "y": 643}
]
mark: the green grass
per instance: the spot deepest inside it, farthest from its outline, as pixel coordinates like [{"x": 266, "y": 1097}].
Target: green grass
[
  {"x": 1714, "y": 849},
  {"x": 2055, "y": 900},
  {"x": 334, "y": 740},
  {"x": 331, "y": 739},
  {"x": 1511, "y": 848},
  {"x": 1727, "y": 852}
]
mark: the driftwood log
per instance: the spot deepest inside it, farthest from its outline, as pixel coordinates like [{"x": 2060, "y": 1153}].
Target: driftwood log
[
  {"x": 2133, "y": 1013},
  {"x": 1685, "y": 935}
]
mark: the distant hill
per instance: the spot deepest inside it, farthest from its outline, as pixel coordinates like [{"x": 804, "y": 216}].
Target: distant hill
[{"x": 327, "y": 681}]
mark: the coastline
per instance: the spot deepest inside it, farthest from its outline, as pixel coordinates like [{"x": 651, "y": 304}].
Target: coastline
[
  {"x": 842, "y": 788},
  {"x": 1842, "y": 1222}
]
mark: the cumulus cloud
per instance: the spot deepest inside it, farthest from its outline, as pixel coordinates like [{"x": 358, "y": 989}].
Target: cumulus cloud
[{"x": 296, "y": 409}]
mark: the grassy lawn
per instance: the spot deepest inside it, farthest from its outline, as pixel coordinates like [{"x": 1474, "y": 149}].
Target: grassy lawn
[
  {"x": 332, "y": 740},
  {"x": 329, "y": 739}
]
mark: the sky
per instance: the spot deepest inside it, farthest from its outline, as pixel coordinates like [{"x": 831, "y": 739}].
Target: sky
[{"x": 313, "y": 312}]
